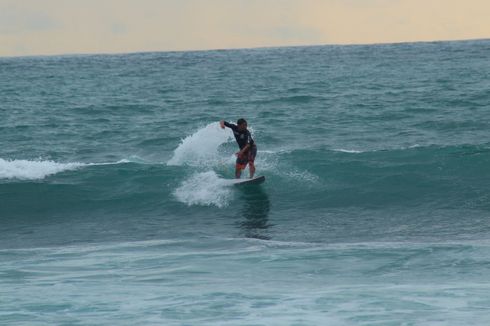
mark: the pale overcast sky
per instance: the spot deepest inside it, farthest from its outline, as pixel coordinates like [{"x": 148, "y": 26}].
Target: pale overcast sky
[{"x": 32, "y": 27}]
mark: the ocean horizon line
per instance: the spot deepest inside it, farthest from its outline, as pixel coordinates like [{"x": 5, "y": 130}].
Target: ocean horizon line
[{"x": 83, "y": 54}]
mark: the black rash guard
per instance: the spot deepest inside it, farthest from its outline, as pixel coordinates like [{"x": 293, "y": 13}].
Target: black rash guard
[{"x": 242, "y": 137}]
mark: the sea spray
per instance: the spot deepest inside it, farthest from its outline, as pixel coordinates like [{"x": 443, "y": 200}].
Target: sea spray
[
  {"x": 205, "y": 188},
  {"x": 201, "y": 147}
]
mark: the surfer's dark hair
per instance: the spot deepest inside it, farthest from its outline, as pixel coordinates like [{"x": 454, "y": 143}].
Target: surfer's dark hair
[{"x": 241, "y": 121}]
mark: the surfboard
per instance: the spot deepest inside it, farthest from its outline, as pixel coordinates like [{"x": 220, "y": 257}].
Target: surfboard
[{"x": 254, "y": 181}]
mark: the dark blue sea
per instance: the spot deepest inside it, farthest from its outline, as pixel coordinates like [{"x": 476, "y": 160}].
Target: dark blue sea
[{"x": 117, "y": 205}]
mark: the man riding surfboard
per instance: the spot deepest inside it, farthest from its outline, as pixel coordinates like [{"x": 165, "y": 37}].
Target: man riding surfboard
[{"x": 248, "y": 149}]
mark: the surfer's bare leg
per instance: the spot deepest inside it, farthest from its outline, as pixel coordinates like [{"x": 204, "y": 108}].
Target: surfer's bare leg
[
  {"x": 251, "y": 166},
  {"x": 240, "y": 165}
]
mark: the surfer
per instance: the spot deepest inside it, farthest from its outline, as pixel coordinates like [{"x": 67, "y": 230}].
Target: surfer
[{"x": 248, "y": 149}]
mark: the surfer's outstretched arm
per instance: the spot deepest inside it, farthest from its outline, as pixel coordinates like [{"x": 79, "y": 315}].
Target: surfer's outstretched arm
[{"x": 224, "y": 124}]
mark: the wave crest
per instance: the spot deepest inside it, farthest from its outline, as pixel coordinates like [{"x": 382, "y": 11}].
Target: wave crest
[{"x": 33, "y": 170}]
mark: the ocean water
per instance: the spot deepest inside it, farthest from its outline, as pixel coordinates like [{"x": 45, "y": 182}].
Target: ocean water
[{"x": 116, "y": 206}]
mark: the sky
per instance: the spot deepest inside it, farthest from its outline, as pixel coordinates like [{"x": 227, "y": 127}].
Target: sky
[{"x": 44, "y": 27}]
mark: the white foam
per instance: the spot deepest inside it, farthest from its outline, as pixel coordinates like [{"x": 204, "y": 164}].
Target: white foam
[
  {"x": 39, "y": 169},
  {"x": 351, "y": 151},
  {"x": 200, "y": 147},
  {"x": 205, "y": 188},
  {"x": 32, "y": 170},
  {"x": 123, "y": 161},
  {"x": 354, "y": 151}
]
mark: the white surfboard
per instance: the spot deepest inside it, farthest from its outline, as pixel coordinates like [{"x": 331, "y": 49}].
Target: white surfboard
[{"x": 253, "y": 181}]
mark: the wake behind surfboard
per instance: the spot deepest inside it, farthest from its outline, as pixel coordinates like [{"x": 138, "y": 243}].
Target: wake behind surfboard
[{"x": 253, "y": 181}]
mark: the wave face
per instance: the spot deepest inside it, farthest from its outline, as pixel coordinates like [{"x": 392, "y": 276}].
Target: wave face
[{"x": 116, "y": 183}]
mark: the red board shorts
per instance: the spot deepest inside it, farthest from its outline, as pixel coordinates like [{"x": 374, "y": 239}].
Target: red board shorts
[{"x": 247, "y": 158}]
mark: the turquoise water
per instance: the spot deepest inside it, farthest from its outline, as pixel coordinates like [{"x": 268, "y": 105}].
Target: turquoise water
[{"x": 116, "y": 206}]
